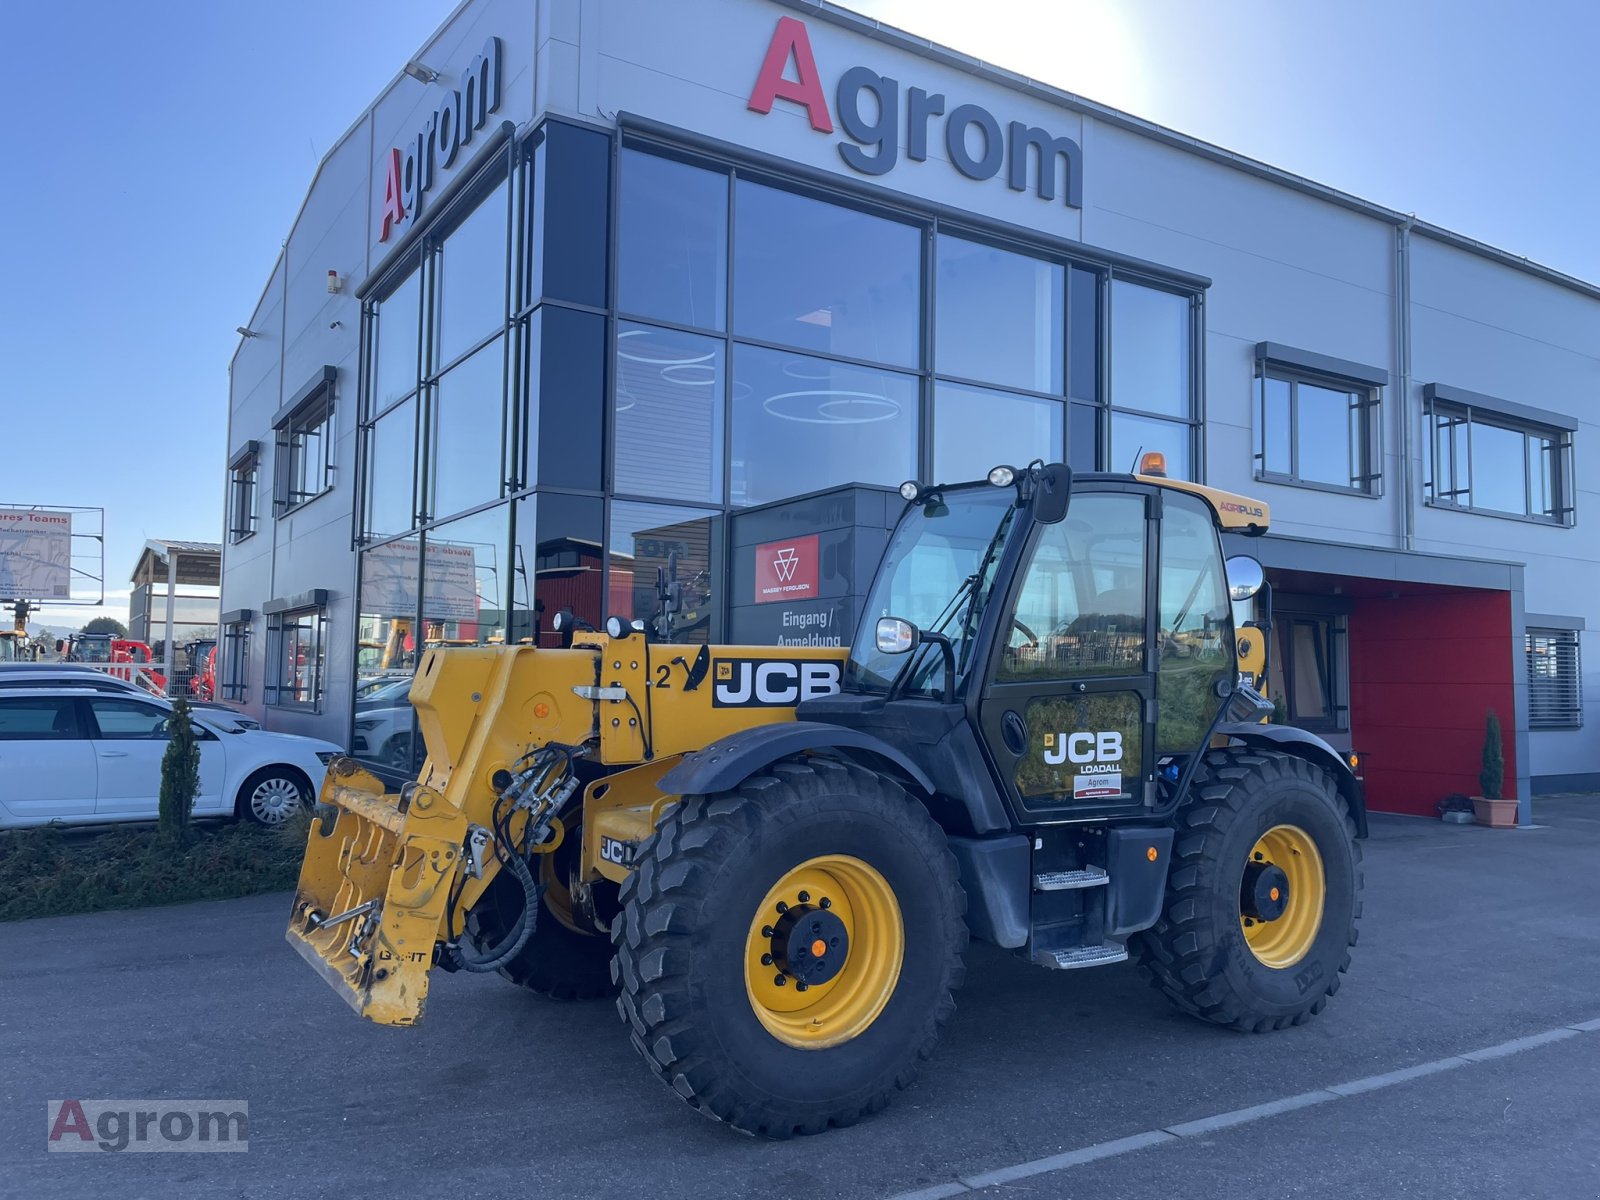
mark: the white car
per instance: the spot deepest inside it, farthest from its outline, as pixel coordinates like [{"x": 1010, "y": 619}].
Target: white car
[
  {"x": 36, "y": 675},
  {"x": 81, "y": 756}
]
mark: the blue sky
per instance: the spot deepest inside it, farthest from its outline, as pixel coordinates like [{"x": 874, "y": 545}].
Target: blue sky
[{"x": 160, "y": 154}]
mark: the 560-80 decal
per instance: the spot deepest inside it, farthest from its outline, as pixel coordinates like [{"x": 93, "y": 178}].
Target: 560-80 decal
[{"x": 771, "y": 682}]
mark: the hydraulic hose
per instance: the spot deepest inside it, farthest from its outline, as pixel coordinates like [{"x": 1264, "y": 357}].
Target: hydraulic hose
[{"x": 464, "y": 959}]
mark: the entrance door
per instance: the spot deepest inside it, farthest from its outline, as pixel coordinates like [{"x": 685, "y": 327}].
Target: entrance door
[{"x": 1072, "y": 690}]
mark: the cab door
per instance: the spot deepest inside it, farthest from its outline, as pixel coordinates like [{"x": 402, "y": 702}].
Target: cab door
[{"x": 1069, "y": 702}]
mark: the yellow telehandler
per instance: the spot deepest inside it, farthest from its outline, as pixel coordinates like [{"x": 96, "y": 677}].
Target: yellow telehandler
[{"x": 1046, "y": 735}]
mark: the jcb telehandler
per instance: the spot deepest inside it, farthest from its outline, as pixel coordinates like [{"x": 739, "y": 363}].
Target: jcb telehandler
[{"x": 1045, "y": 735}]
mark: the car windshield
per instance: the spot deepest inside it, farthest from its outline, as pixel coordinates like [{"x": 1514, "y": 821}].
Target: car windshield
[{"x": 936, "y": 573}]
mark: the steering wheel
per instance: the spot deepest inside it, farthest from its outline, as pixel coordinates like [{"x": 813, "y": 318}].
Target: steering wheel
[{"x": 1033, "y": 638}]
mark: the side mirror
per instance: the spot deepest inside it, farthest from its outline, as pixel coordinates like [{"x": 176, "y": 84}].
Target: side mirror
[
  {"x": 1053, "y": 493},
  {"x": 1245, "y": 577},
  {"x": 896, "y": 635}
]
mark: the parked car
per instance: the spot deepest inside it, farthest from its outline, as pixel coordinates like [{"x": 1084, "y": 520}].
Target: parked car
[
  {"x": 79, "y": 755},
  {"x": 382, "y": 729},
  {"x": 14, "y": 675}
]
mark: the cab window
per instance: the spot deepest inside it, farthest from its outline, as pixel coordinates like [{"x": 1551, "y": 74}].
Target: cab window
[
  {"x": 1196, "y": 632},
  {"x": 1081, "y": 608}
]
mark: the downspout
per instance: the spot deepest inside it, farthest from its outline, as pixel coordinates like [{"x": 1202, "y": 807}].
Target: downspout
[{"x": 1402, "y": 337}]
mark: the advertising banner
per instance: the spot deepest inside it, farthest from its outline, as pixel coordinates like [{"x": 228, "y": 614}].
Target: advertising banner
[
  {"x": 35, "y": 554},
  {"x": 787, "y": 570},
  {"x": 450, "y": 585}
]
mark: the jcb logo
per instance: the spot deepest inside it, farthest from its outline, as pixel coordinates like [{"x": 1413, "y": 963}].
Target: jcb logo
[
  {"x": 1082, "y": 747},
  {"x": 614, "y": 851},
  {"x": 771, "y": 682}
]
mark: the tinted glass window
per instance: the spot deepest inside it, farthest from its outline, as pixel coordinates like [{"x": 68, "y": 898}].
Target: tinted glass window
[
  {"x": 128, "y": 718},
  {"x": 975, "y": 429},
  {"x": 1083, "y": 352},
  {"x": 391, "y": 467},
  {"x": 1081, "y": 611},
  {"x": 1001, "y": 316},
  {"x": 801, "y": 424},
  {"x": 566, "y": 366},
  {"x": 1083, "y": 439},
  {"x": 672, "y": 234},
  {"x": 558, "y": 563},
  {"x": 572, "y": 171},
  {"x": 1149, "y": 349},
  {"x": 669, "y": 389},
  {"x": 825, "y": 278},
  {"x": 686, "y": 543},
  {"x": 395, "y": 358},
  {"x": 1196, "y": 625},
  {"x": 467, "y": 432},
  {"x": 30, "y": 718},
  {"x": 1498, "y": 481},
  {"x": 471, "y": 274}
]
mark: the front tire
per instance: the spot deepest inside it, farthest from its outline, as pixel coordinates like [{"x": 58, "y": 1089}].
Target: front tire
[
  {"x": 702, "y": 941},
  {"x": 1263, "y": 895}
]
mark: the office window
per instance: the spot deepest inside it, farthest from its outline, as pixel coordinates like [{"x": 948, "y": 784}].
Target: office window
[
  {"x": 1305, "y": 670},
  {"x": 668, "y": 414},
  {"x": 1555, "y": 679},
  {"x": 1152, "y": 378},
  {"x": 1487, "y": 462},
  {"x": 234, "y": 668},
  {"x": 466, "y": 450},
  {"x": 242, "y": 480},
  {"x": 672, "y": 237},
  {"x": 295, "y": 657},
  {"x": 1000, "y": 317},
  {"x": 391, "y": 444},
  {"x": 684, "y": 545},
  {"x": 305, "y": 448},
  {"x": 1315, "y": 431},
  {"x": 975, "y": 429}
]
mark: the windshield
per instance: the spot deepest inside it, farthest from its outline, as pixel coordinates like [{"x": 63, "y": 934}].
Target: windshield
[{"x": 936, "y": 573}]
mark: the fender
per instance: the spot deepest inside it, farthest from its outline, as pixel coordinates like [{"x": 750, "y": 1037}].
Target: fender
[
  {"x": 728, "y": 762},
  {"x": 1313, "y": 749}
]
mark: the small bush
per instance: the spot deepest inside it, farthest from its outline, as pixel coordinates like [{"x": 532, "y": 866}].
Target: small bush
[
  {"x": 1493, "y": 775},
  {"x": 180, "y": 773},
  {"x": 48, "y": 872}
]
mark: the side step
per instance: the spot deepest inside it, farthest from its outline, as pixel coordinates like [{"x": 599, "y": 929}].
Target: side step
[
  {"x": 1061, "y": 881},
  {"x": 1071, "y": 957}
]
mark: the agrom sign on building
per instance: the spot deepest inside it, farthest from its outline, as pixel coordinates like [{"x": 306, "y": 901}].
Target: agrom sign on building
[
  {"x": 871, "y": 110},
  {"x": 413, "y": 168}
]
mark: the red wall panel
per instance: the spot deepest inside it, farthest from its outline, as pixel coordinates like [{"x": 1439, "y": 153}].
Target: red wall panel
[{"x": 1424, "y": 671}]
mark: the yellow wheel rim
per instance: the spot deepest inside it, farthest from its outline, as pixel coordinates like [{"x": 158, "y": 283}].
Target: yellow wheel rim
[
  {"x": 859, "y": 942},
  {"x": 1285, "y": 940}
]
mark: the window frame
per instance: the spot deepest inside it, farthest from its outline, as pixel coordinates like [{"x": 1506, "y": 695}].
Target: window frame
[
  {"x": 233, "y": 666},
  {"x": 1438, "y": 410},
  {"x": 312, "y": 411},
  {"x": 244, "y": 486},
  {"x": 1370, "y": 409},
  {"x": 278, "y": 626},
  {"x": 1333, "y": 645},
  {"x": 1566, "y": 648}
]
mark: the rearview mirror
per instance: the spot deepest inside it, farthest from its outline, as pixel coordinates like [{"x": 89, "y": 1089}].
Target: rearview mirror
[
  {"x": 1054, "y": 491},
  {"x": 1245, "y": 577},
  {"x": 895, "y": 635}
]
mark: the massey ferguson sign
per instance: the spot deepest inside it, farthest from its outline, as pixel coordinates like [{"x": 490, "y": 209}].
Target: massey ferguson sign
[
  {"x": 412, "y": 168},
  {"x": 874, "y": 126},
  {"x": 787, "y": 570}
]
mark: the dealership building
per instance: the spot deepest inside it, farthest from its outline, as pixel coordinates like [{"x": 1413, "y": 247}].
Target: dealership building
[{"x": 599, "y": 295}]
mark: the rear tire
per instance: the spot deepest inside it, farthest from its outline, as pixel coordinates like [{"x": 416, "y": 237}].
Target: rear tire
[
  {"x": 704, "y": 1011},
  {"x": 1244, "y": 802}
]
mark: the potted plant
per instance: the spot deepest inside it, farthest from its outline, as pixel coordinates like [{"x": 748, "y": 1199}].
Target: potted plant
[{"x": 1492, "y": 808}]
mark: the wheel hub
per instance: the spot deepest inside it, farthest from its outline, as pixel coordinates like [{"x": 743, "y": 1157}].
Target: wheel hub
[
  {"x": 1265, "y": 893},
  {"x": 810, "y": 943}
]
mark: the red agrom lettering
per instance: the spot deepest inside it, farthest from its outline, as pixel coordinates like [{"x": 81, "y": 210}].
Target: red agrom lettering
[
  {"x": 789, "y": 40},
  {"x": 71, "y": 1119},
  {"x": 394, "y": 209}
]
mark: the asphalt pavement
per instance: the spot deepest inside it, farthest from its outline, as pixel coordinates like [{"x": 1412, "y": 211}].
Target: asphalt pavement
[{"x": 1472, "y": 938}]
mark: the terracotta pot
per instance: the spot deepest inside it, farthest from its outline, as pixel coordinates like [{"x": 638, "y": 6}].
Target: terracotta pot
[{"x": 1498, "y": 814}]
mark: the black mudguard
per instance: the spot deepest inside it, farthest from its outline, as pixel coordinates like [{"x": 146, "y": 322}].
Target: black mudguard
[
  {"x": 1290, "y": 740},
  {"x": 726, "y": 763}
]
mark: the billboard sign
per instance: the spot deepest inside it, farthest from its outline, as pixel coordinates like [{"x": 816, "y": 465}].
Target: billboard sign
[
  {"x": 389, "y": 581},
  {"x": 35, "y": 554}
]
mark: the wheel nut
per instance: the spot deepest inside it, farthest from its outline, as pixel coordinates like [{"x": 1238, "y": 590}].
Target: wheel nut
[
  {"x": 804, "y": 897},
  {"x": 800, "y": 985},
  {"x": 826, "y": 903},
  {"x": 766, "y": 931},
  {"x": 780, "y": 980},
  {"x": 782, "y": 907},
  {"x": 766, "y": 960}
]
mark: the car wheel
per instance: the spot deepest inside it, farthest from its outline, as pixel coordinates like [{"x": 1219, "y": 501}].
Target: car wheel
[
  {"x": 272, "y": 796},
  {"x": 397, "y": 752}
]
